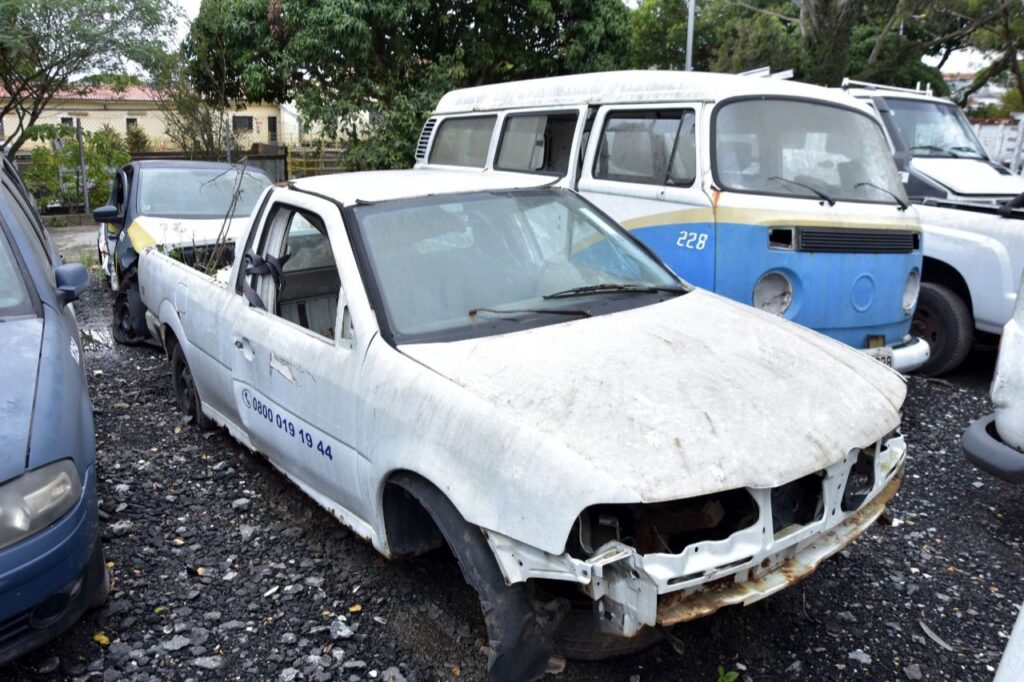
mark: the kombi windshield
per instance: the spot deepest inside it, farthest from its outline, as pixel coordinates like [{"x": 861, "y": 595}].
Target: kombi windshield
[
  {"x": 934, "y": 129},
  {"x": 464, "y": 265},
  {"x": 197, "y": 192},
  {"x": 803, "y": 148}
]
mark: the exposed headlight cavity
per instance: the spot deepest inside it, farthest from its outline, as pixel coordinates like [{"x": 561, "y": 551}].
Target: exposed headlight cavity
[
  {"x": 36, "y": 499},
  {"x": 773, "y": 293},
  {"x": 910, "y": 291}
]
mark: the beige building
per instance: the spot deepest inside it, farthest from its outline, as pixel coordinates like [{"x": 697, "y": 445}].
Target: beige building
[{"x": 122, "y": 108}]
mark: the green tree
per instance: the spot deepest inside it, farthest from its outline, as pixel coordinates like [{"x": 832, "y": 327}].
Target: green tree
[
  {"x": 54, "y": 172},
  {"x": 365, "y": 69},
  {"x": 45, "y": 43},
  {"x": 878, "y": 40}
]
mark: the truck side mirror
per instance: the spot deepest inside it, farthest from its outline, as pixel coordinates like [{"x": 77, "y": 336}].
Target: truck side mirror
[
  {"x": 106, "y": 214},
  {"x": 72, "y": 279}
]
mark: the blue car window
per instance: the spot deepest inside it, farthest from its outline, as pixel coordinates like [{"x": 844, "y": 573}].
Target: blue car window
[{"x": 14, "y": 298}]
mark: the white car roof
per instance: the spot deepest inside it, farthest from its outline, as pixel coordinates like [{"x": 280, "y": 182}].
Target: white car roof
[
  {"x": 373, "y": 186},
  {"x": 612, "y": 87}
]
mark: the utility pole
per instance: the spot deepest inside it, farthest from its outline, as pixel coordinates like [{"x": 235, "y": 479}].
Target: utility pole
[
  {"x": 81, "y": 165},
  {"x": 691, "y": 4}
]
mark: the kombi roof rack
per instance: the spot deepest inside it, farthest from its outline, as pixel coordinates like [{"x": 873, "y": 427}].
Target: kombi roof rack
[
  {"x": 766, "y": 72},
  {"x": 926, "y": 90}
]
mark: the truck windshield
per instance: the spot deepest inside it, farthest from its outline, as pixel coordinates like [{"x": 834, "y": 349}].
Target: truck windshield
[
  {"x": 197, "y": 192},
  {"x": 474, "y": 264},
  {"x": 934, "y": 129},
  {"x": 14, "y": 298},
  {"x": 803, "y": 148}
]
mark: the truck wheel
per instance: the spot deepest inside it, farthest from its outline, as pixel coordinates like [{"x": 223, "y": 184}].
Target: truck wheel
[
  {"x": 943, "y": 320},
  {"x": 127, "y": 327},
  {"x": 185, "y": 392},
  {"x": 519, "y": 627}
]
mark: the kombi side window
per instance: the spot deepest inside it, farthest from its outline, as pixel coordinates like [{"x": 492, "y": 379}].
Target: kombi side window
[
  {"x": 463, "y": 141},
  {"x": 537, "y": 143},
  {"x": 648, "y": 147}
]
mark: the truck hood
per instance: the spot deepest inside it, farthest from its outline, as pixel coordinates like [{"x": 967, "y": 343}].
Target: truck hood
[
  {"x": 969, "y": 176},
  {"x": 687, "y": 397},
  {"x": 171, "y": 233},
  {"x": 19, "y": 365}
]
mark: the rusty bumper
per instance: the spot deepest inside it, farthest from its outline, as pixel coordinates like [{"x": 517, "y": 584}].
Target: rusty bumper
[{"x": 794, "y": 565}]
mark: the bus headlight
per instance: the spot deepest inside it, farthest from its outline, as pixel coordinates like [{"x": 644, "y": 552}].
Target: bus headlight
[
  {"x": 910, "y": 291},
  {"x": 773, "y": 293}
]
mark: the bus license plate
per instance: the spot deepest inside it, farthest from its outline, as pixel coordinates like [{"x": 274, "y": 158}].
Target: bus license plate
[{"x": 883, "y": 355}]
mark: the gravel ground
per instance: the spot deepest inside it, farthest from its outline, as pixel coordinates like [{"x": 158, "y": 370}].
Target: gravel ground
[{"x": 224, "y": 570}]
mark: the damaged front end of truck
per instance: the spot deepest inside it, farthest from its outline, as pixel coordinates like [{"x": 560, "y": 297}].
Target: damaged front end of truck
[{"x": 647, "y": 565}]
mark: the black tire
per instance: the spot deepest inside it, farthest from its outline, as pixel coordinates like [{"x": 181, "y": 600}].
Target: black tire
[
  {"x": 580, "y": 638},
  {"x": 519, "y": 627},
  {"x": 943, "y": 320},
  {"x": 124, "y": 326},
  {"x": 185, "y": 393}
]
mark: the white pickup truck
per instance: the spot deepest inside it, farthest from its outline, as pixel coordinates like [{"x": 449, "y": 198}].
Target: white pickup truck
[
  {"x": 970, "y": 213},
  {"x": 473, "y": 359}
]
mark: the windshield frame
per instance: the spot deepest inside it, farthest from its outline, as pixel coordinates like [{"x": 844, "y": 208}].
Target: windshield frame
[
  {"x": 607, "y": 303},
  {"x": 713, "y": 148},
  {"x": 895, "y": 132},
  {"x": 140, "y": 174}
]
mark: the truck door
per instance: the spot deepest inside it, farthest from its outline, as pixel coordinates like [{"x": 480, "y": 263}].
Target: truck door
[
  {"x": 295, "y": 367},
  {"x": 643, "y": 166}
]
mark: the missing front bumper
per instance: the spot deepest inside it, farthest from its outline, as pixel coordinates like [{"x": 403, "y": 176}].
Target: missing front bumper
[{"x": 747, "y": 589}]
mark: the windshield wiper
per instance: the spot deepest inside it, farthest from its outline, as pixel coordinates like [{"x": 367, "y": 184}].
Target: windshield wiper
[
  {"x": 473, "y": 312},
  {"x": 902, "y": 204},
  {"x": 969, "y": 150},
  {"x": 821, "y": 195},
  {"x": 613, "y": 288},
  {"x": 933, "y": 148}
]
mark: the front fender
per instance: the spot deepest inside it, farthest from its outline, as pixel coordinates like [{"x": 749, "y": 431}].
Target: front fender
[
  {"x": 985, "y": 265},
  {"x": 499, "y": 473}
]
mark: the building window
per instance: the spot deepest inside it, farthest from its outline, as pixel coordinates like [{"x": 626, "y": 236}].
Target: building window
[
  {"x": 241, "y": 124},
  {"x": 67, "y": 121},
  {"x": 130, "y": 123}
]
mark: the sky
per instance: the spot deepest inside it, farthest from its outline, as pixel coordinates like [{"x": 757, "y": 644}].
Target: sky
[{"x": 191, "y": 9}]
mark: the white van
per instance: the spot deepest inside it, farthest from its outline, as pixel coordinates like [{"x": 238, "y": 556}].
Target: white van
[{"x": 777, "y": 194}]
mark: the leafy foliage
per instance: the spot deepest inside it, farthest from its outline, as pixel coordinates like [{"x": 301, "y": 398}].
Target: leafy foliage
[
  {"x": 54, "y": 175},
  {"x": 44, "y": 43},
  {"x": 136, "y": 139},
  {"x": 371, "y": 70}
]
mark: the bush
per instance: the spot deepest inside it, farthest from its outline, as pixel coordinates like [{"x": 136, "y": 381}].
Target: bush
[
  {"x": 53, "y": 172},
  {"x": 137, "y": 140}
]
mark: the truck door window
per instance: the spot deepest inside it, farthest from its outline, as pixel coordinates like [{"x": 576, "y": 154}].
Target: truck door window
[
  {"x": 649, "y": 147},
  {"x": 537, "y": 143},
  {"x": 463, "y": 141},
  {"x": 306, "y": 293}
]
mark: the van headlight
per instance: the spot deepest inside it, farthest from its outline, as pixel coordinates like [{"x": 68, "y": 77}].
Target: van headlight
[
  {"x": 36, "y": 499},
  {"x": 773, "y": 293},
  {"x": 910, "y": 291}
]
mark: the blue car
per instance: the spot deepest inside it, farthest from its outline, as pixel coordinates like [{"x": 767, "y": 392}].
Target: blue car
[{"x": 51, "y": 561}]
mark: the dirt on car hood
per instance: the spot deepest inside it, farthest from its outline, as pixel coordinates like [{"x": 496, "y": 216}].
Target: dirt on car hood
[{"x": 686, "y": 397}]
